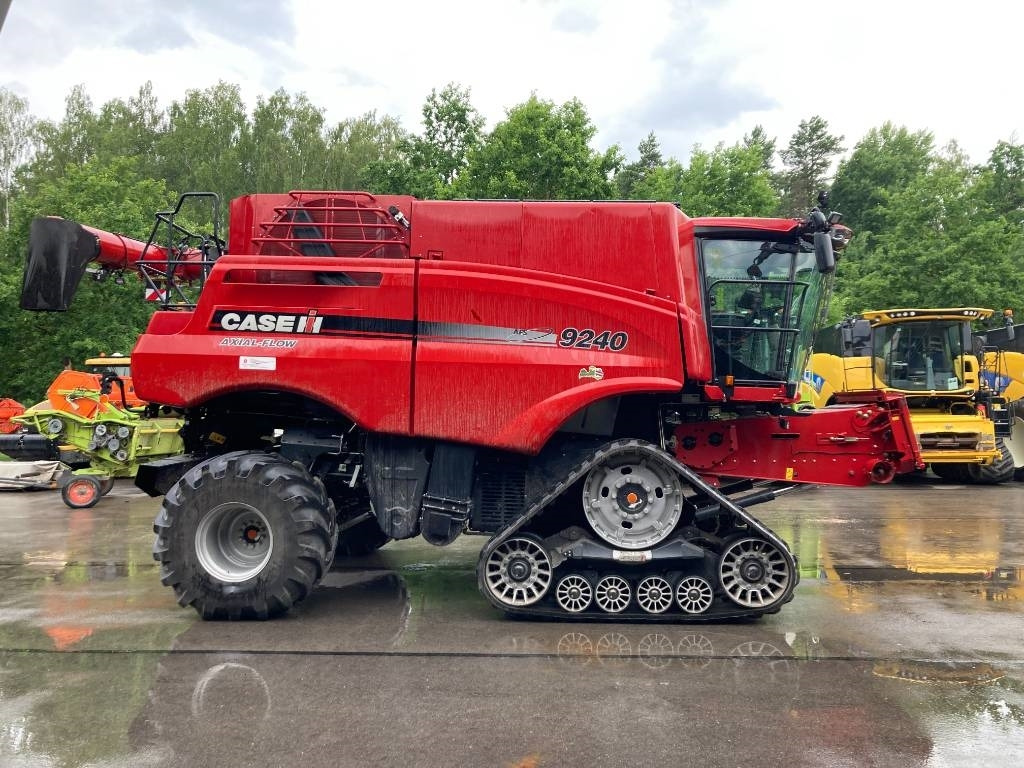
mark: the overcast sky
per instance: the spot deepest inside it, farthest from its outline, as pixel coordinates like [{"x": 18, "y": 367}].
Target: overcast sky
[{"x": 691, "y": 72}]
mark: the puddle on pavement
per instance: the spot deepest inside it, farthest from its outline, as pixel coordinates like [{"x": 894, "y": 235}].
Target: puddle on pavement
[{"x": 952, "y": 673}]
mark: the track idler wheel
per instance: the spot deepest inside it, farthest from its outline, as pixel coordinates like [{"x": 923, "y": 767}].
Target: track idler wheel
[
  {"x": 754, "y": 573},
  {"x": 518, "y": 572}
]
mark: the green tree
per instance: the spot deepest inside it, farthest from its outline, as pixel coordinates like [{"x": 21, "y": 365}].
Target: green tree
[
  {"x": 72, "y": 141},
  {"x": 541, "y": 151},
  {"x": 201, "y": 147},
  {"x": 354, "y": 144},
  {"x": 807, "y": 160},
  {"x": 104, "y": 316},
  {"x": 944, "y": 248},
  {"x": 428, "y": 165},
  {"x": 884, "y": 162},
  {"x": 452, "y": 129},
  {"x": 632, "y": 176},
  {"x": 1001, "y": 181},
  {"x": 16, "y": 133},
  {"x": 729, "y": 181},
  {"x": 759, "y": 140},
  {"x": 287, "y": 148},
  {"x": 132, "y": 128}
]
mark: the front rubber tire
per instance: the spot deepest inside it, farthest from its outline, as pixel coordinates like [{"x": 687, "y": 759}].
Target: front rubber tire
[
  {"x": 300, "y": 536},
  {"x": 1001, "y": 470}
]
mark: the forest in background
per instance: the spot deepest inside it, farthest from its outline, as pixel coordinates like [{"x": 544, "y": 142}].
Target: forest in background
[{"x": 931, "y": 228}]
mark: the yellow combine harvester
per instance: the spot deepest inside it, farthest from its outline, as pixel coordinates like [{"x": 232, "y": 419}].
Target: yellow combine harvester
[
  {"x": 1003, "y": 372},
  {"x": 962, "y": 422}
]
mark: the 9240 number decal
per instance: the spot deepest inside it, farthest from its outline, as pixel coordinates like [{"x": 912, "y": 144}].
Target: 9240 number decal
[{"x": 587, "y": 338}]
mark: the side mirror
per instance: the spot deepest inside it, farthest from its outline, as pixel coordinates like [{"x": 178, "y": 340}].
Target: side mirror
[{"x": 823, "y": 253}]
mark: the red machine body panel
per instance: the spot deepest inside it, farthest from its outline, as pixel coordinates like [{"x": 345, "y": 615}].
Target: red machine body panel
[
  {"x": 503, "y": 356},
  {"x": 356, "y": 333},
  {"x": 490, "y": 291}
]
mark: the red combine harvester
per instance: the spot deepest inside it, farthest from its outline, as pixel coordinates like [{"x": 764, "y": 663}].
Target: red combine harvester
[{"x": 603, "y": 388}]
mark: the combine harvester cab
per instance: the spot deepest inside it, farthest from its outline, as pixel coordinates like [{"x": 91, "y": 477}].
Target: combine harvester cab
[
  {"x": 603, "y": 389},
  {"x": 93, "y": 417},
  {"x": 963, "y": 424}
]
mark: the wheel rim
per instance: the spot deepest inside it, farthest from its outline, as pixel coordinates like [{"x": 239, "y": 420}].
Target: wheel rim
[
  {"x": 518, "y": 572},
  {"x": 654, "y": 594},
  {"x": 574, "y": 593},
  {"x": 612, "y": 594},
  {"x": 234, "y": 542},
  {"x": 83, "y": 491},
  {"x": 754, "y": 573},
  {"x": 694, "y": 594},
  {"x": 633, "y": 504}
]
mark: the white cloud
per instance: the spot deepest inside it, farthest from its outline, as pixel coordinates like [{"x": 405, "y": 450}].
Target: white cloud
[{"x": 688, "y": 71}]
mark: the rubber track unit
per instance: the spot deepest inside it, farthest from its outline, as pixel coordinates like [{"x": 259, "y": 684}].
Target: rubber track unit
[
  {"x": 301, "y": 514},
  {"x": 604, "y": 453}
]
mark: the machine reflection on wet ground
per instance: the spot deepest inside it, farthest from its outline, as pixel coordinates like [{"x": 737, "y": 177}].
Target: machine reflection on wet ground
[{"x": 902, "y": 647}]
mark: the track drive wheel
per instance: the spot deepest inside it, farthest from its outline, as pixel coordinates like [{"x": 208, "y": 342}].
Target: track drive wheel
[
  {"x": 632, "y": 501},
  {"x": 81, "y": 492},
  {"x": 244, "y": 535},
  {"x": 754, "y": 573}
]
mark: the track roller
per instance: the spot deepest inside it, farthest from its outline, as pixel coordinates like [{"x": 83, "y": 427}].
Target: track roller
[
  {"x": 694, "y": 595},
  {"x": 754, "y": 573},
  {"x": 654, "y": 594},
  {"x": 574, "y": 593},
  {"x": 612, "y": 594},
  {"x": 518, "y": 572}
]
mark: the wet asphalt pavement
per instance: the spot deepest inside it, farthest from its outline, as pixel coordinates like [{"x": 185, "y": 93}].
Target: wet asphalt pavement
[{"x": 904, "y": 646}]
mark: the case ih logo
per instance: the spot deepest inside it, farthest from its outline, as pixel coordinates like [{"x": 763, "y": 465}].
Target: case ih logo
[{"x": 267, "y": 322}]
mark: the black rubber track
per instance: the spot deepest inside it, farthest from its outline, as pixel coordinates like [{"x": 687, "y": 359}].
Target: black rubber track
[
  {"x": 724, "y": 608},
  {"x": 300, "y": 515}
]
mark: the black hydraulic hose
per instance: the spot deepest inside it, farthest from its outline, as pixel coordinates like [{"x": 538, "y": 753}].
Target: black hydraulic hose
[{"x": 124, "y": 402}]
